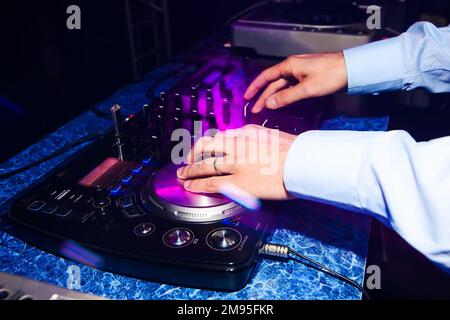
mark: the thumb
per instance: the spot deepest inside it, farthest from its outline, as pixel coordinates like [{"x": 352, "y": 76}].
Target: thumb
[{"x": 302, "y": 90}]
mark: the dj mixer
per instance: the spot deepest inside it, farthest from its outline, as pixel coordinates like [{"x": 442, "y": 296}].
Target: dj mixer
[{"x": 118, "y": 206}]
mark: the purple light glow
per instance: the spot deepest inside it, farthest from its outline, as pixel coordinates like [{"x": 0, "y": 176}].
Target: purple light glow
[{"x": 76, "y": 252}]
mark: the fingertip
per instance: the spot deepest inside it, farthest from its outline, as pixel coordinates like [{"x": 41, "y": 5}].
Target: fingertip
[
  {"x": 271, "y": 103},
  {"x": 187, "y": 184},
  {"x": 180, "y": 172},
  {"x": 256, "y": 109},
  {"x": 248, "y": 94}
]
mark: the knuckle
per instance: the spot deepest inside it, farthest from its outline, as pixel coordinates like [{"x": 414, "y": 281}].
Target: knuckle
[
  {"x": 308, "y": 90},
  {"x": 211, "y": 184},
  {"x": 289, "y": 59},
  {"x": 283, "y": 98},
  {"x": 202, "y": 167}
]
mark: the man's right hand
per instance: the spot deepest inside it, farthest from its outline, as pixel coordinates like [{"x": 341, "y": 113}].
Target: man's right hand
[{"x": 298, "y": 77}]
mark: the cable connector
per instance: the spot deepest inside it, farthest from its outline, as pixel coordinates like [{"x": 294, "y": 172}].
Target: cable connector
[
  {"x": 285, "y": 252},
  {"x": 275, "y": 250}
]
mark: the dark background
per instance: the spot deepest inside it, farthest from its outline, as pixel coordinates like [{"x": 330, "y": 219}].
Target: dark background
[{"x": 49, "y": 74}]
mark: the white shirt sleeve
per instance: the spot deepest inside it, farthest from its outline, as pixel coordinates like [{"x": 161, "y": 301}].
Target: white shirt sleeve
[{"x": 386, "y": 174}]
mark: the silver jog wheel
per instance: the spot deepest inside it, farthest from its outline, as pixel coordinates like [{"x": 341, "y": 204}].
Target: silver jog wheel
[{"x": 165, "y": 191}]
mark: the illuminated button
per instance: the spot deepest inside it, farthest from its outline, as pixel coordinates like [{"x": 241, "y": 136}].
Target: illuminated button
[
  {"x": 144, "y": 229},
  {"x": 224, "y": 239},
  {"x": 49, "y": 209},
  {"x": 116, "y": 190},
  {"x": 137, "y": 169},
  {"x": 36, "y": 206},
  {"x": 127, "y": 179},
  {"x": 128, "y": 201},
  {"x": 133, "y": 212},
  {"x": 147, "y": 160},
  {"x": 177, "y": 238}
]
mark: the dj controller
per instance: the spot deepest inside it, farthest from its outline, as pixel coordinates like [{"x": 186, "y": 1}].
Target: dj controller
[{"x": 118, "y": 206}]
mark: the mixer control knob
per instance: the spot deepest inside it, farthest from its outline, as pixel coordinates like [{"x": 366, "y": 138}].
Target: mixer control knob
[
  {"x": 177, "y": 121},
  {"x": 209, "y": 94},
  {"x": 178, "y": 102},
  {"x": 226, "y": 110},
  {"x": 146, "y": 110},
  {"x": 194, "y": 107},
  {"x": 224, "y": 239},
  {"x": 154, "y": 146},
  {"x": 162, "y": 97},
  {"x": 101, "y": 198},
  {"x": 178, "y": 238},
  {"x": 194, "y": 92}
]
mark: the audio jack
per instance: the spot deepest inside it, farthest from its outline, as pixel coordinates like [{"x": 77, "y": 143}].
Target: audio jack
[{"x": 287, "y": 253}]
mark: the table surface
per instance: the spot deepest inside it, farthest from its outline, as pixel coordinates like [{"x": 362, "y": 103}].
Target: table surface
[{"x": 337, "y": 238}]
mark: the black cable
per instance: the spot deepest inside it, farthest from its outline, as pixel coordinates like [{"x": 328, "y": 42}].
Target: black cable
[
  {"x": 52, "y": 155},
  {"x": 285, "y": 252}
]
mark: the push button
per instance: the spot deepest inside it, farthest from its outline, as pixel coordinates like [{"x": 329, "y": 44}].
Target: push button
[
  {"x": 144, "y": 229},
  {"x": 127, "y": 179},
  {"x": 177, "y": 238},
  {"x": 115, "y": 190},
  {"x": 36, "y": 206},
  {"x": 147, "y": 161},
  {"x": 137, "y": 170},
  {"x": 224, "y": 239},
  {"x": 128, "y": 200},
  {"x": 63, "y": 212},
  {"x": 49, "y": 209},
  {"x": 132, "y": 212}
]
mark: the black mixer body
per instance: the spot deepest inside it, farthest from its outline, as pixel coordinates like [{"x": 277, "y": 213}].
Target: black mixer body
[{"x": 112, "y": 206}]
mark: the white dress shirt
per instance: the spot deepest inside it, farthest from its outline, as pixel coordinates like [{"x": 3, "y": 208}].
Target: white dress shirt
[{"x": 389, "y": 175}]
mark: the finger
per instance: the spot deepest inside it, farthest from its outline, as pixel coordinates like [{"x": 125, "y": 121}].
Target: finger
[
  {"x": 222, "y": 143},
  {"x": 197, "y": 149},
  {"x": 304, "y": 90},
  {"x": 269, "y": 75},
  {"x": 270, "y": 90},
  {"x": 206, "y": 185},
  {"x": 205, "y": 168}
]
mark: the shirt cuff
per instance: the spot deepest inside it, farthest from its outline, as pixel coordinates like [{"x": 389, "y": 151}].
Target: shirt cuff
[
  {"x": 375, "y": 67},
  {"x": 325, "y": 166}
]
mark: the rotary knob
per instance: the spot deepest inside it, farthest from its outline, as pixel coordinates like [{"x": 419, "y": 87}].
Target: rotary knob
[
  {"x": 101, "y": 198},
  {"x": 224, "y": 239},
  {"x": 178, "y": 238}
]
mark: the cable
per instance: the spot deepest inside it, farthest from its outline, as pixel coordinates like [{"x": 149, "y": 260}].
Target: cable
[
  {"x": 52, "y": 155},
  {"x": 285, "y": 252},
  {"x": 244, "y": 11}
]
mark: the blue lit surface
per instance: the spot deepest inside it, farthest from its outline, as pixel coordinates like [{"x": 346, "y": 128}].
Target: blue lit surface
[{"x": 337, "y": 238}]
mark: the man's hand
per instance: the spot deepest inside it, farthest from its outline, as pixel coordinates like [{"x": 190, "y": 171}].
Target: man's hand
[
  {"x": 252, "y": 159},
  {"x": 298, "y": 77}
]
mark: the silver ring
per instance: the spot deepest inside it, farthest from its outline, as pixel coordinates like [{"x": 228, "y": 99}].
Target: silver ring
[{"x": 215, "y": 167}]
